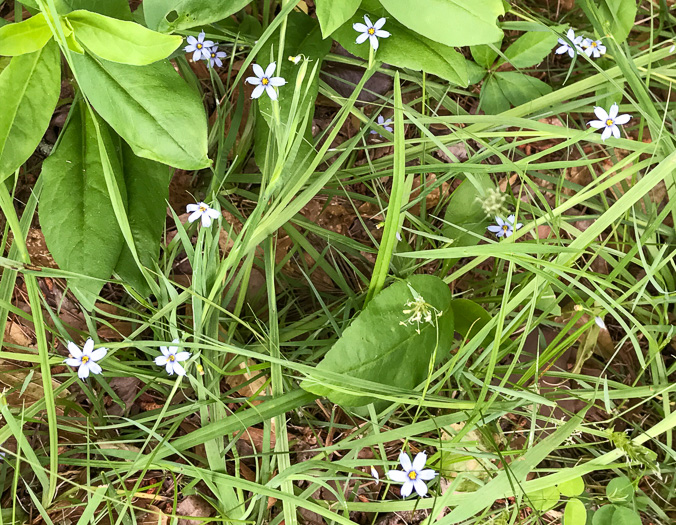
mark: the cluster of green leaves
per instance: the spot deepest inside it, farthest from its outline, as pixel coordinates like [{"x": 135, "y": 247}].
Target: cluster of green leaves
[{"x": 105, "y": 183}]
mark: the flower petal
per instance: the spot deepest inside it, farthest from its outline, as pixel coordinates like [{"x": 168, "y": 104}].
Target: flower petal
[
  {"x": 362, "y": 38},
  {"x": 258, "y": 71},
  {"x": 206, "y": 220},
  {"x": 192, "y": 207},
  {"x": 380, "y": 23},
  {"x": 258, "y": 91},
  {"x": 600, "y": 113},
  {"x": 368, "y": 21},
  {"x": 570, "y": 34},
  {"x": 88, "y": 347},
  {"x": 74, "y": 349},
  {"x": 83, "y": 371},
  {"x": 191, "y": 40},
  {"x": 427, "y": 474},
  {"x": 420, "y": 487},
  {"x": 614, "y": 109},
  {"x": 214, "y": 214},
  {"x": 94, "y": 368},
  {"x": 598, "y": 124},
  {"x": 182, "y": 356},
  {"x": 563, "y": 49},
  {"x": 254, "y": 81},
  {"x": 381, "y": 33},
  {"x": 419, "y": 461},
  {"x": 493, "y": 228},
  {"x": 499, "y": 221},
  {"x": 606, "y": 133},
  {"x": 374, "y": 42},
  {"x": 270, "y": 70},
  {"x": 277, "y": 81},
  {"x": 360, "y": 27},
  {"x": 73, "y": 361},
  {"x": 201, "y": 36},
  {"x": 510, "y": 219},
  {"x": 398, "y": 476},
  {"x": 271, "y": 92},
  {"x": 623, "y": 119},
  {"x": 194, "y": 216},
  {"x": 179, "y": 369},
  {"x": 161, "y": 360},
  {"x": 406, "y": 489},
  {"x": 197, "y": 55},
  {"x": 405, "y": 461},
  {"x": 170, "y": 367},
  {"x": 98, "y": 354},
  {"x": 616, "y": 131}
]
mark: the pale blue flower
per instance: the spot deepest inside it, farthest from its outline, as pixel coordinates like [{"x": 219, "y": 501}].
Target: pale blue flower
[
  {"x": 413, "y": 476},
  {"x": 85, "y": 360},
  {"x": 565, "y": 46},
  {"x": 370, "y": 31},
  {"x": 386, "y": 124},
  {"x": 199, "y": 47},
  {"x": 170, "y": 358},
  {"x": 609, "y": 121},
  {"x": 215, "y": 56},
  {"x": 593, "y": 48},
  {"x": 264, "y": 81},
  {"x": 504, "y": 228},
  {"x": 203, "y": 211}
]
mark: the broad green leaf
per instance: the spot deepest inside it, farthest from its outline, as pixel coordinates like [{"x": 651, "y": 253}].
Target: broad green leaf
[
  {"x": 28, "y": 36},
  {"x": 76, "y": 214},
  {"x": 615, "y": 515},
  {"x": 450, "y": 22},
  {"x": 573, "y": 487},
  {"x": 531, "y": 48},
  {"x": 485, "y": 54},
  {"x": 30, "y": 88},
  {"x": 121, "y": 41},
  {"x": 113, "y": 8},
  {"x": 544, "y": 499},
  {"x": 493, "y": 100},
  {"x": 150, "y": 107},
  {"x": 469, "y": 318},
  {"x": 620, "y": 490},
  {"x": 475, "y": 72},
  {"x": 173, "y": 15},
  {"x": 147, "y": 184},
  {"x": 332, "y": 14},
  {"x": 519, "y": 88},
  {"x": 464, "y": 211},
  {"x": 617, "y": 17},
  {"x": 379, "y": 346},
  {"x": 575, "y": 513},
  {"x": 405, "y": 48}
]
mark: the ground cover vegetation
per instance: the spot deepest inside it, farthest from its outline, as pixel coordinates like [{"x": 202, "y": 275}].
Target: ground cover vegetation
[{"x": 334, "y": 262}]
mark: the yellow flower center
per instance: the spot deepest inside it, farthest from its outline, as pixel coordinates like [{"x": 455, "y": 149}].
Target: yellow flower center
[
  {"x": 265, "y": 81},
  {"x": 213, "y": 55},
  {"x": 609, "y": 122},
  {"x": 172, "y": 358},
  {"x": 203, "y": 208},
  {"x": 505, "y": 227},
  {"x": 372, "y": 31},
  {"x": 85, "y": 359},
  {"x": 594, "y": 44},
  {"x": 199, "y": 46},
  {"x": 413, "y": 475}
]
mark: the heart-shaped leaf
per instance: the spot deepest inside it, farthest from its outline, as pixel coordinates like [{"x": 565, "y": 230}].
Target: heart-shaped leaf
[{"x": 386, "y": 344}]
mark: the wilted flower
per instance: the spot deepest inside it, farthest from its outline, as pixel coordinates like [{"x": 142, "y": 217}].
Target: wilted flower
[
  {"x": 296, "y": 60},
  {"x": 600, "y": 323},
  {"x": 504, "y": 228},
  {"x": 565, "y": 46},
  {"x": 609, "y": 121},
  {"x": 199, "y": 46},
  {"x": 170, "y": 359},
  {"x": 215, "y": 56},
  {"x": 419, "y": 311},
  {"x": 201, "y": 210},
  {"x": 371, "y": 31},
  {"x": 386, "y": 124},
  {"x": 413, "y": 476},
  {"x": 375, "y": 475},
  {"x": 85, "y": 360},
  {"x": 593, "y": 48},
  {"x": 264, "y": 81}
]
